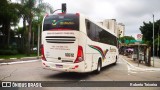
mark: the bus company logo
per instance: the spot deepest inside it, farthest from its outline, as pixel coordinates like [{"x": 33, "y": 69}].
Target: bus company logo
[
  {"x": 54, "y": 22},
  {"x": 103, "y": 53},
  {"x": 66, "y": 23},
  {"x": 112, "y": 50},
  {"x": 6, "y": 84},
  {"x": 63, "y": 22}
]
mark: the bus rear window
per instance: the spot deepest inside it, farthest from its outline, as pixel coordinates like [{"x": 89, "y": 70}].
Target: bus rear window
[{"x": 61, "y": 22}]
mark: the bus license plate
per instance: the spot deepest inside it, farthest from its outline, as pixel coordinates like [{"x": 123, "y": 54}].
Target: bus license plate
[{"x": 59, "y": 66}]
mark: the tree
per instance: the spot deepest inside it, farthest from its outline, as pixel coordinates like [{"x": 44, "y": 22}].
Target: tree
[
  {"x": 147, "y": 31},
  {"x": 156, "y": 41},
  {"x": 32, "y": 8},
  {"x": 9, "y": 16},
  {"x": 36, "y": 21}
]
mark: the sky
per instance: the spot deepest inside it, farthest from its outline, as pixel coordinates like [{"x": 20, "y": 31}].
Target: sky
[{"x": 132, "y": 13}]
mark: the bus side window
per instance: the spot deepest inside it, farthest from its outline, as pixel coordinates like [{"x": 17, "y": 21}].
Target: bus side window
[{"x": 88, "y": 27}]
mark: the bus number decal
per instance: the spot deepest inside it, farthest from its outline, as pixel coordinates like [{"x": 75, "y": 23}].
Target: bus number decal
[{"x": 69, "y": 54}]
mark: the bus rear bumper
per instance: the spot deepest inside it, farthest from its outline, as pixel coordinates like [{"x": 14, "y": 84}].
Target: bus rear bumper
[{"x": 64, "y": 67}]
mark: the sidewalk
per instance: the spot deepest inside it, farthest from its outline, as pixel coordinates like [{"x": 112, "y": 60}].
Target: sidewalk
[
  {"x": 142, "y": 65},
  {"x": 156, "y": 62}
]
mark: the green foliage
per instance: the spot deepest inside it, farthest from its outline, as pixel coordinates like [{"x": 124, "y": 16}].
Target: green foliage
[
  {"x": 16, "y": 56},
  {"x": 8, "y": 52},
  {"x": 29, "y": 10},
  {"x": 10, "y": 13},
  {"x": 156, "y": 41},
  {"x": 12, "y": 50},
  {"x": 147, "y": 31},
  {"x": 9, "y": 16}
]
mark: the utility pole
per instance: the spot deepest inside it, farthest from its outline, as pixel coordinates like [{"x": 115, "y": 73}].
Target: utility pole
[
  {"x": 158, "y": 42},
  {"x": 38, "y": 43},
  {"x": 153, "y": 40}
]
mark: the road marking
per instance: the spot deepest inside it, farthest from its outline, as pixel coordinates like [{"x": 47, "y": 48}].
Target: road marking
[
  {"x": 132, "y": 67},
  {"x": 19, "y": 62}
]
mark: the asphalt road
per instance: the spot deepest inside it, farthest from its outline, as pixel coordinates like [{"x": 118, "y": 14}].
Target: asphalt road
[{"x": 33, "y": 71}]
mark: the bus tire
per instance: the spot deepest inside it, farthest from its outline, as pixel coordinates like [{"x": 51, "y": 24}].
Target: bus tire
[
  {"x": 99, "y": 66},
  {"x": 115, "y": 61}
]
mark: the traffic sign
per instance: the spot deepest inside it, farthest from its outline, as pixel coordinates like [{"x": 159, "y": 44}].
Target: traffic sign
[{"x": 139, "y": 37}]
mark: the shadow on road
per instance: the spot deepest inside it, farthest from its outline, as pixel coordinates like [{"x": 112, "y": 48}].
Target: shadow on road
[
  {"x": 104, "y": 69},
  {"x": 111, "y": 66},
  {"x": 77, "y": 76},
  {"x": 69, "y": 76}
]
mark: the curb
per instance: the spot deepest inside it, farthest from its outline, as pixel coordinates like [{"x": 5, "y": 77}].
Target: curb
[
  {"x": 20, "y": 58},
  {"x": 19, "y": 62},
  {"x": 13, "y": 60},
  {"x": 138, "y": 68},
  {"x": 29, "y": 58},
  {"x": 2, "y": 59}
]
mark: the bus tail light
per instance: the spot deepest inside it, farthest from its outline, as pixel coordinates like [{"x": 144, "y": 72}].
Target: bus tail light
[
  {"x": 80, "y": 57},
  {"x": 42, "y": 53}
]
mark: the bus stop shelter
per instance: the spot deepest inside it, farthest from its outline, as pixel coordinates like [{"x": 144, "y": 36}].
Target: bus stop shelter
[{"x": 142, "y": 53}]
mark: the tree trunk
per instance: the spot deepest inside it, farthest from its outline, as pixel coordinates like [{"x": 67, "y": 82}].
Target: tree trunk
[
  {"x": 149, "y": 57},
  {"x": 32, "y": 41},
  {"x": 29, "y": 37},
  {"x": 7, "y": 28},
  {"x": 145, "y": 58},
  {"x": 4, "y": 36},
  {"x": 23, "y": 38},
  {"x": 8, "y": 35}
]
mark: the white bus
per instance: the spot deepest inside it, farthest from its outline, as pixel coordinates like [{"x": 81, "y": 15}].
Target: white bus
[{"x": 73, "y": 43}]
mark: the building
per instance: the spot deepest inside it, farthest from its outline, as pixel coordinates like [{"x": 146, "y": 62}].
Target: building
[
  {"x": 112, "y": 25},
  {"x": 120, "y": 29}
]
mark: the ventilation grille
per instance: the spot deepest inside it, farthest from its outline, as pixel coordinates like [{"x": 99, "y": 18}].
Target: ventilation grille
[{"x": 60, "y": 39}]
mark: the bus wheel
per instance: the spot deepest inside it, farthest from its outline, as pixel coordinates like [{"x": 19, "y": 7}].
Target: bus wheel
[
  {"x": 115, "y": 61},
  {"x": 98, "y": 67}
]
